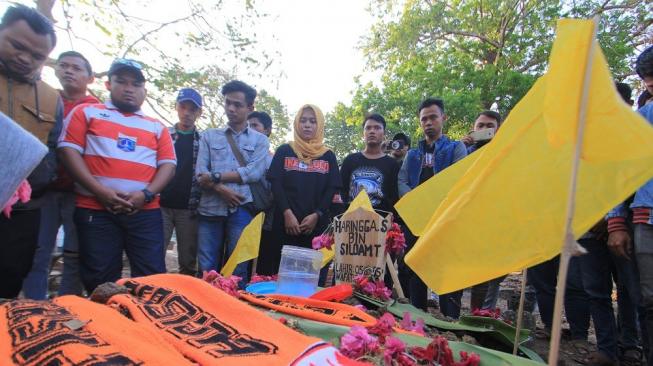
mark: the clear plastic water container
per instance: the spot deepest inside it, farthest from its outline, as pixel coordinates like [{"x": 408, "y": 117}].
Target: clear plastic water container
[{"x": 299, "y": 271}]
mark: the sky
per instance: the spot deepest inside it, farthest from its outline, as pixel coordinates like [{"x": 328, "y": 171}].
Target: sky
[
  {"x": 314, "y": 44},
  {"x": 317, "y": 41}
]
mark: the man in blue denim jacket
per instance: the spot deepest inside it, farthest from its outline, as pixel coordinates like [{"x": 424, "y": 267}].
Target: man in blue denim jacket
[
  {"x": 223, "y": 211},
  {"x": 432, "y": 155},
  {"x": 619, "y": 239}
]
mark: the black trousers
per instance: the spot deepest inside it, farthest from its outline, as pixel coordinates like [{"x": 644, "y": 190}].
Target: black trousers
[{"x": 19, "y": 237}]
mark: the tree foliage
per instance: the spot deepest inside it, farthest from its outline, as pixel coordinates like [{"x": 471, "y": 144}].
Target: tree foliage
[
  {"x": 475, "y": 53},
  {"x": 198, "y": 44},
  {"x": 280, "y": 122}
]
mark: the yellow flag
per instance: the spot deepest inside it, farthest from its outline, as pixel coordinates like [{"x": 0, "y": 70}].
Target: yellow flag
[
  {"x": 503, "y": 209},
  {"x": 417, "y": 207},
  {"x": 247, "y": 246},
  {"x": 361, "y": 200}
]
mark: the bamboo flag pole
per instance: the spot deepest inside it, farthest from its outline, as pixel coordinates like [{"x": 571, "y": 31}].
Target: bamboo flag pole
[
  {"x": 520, "y": 313},
  {"x": 394, "y": 275},
  {"x": 570, "y": 247}
]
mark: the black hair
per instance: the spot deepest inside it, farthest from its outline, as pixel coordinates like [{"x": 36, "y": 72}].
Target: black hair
[
  {"x": 643, "y": 98},
  {"x": 265, "y": 119},
  {"x": 644, "y": 63},
  {"x": 625, "y": 91},
  {"x": 239, "y": 86},
  {"x": 87, "y": 64},
  {"x": 429, "y": 102},
  {"x": 491, "y": 114},
  {"x": 37, "y": 21},
  {"x": 402, "y": 136},
  {"x": 375, "y": 117}
]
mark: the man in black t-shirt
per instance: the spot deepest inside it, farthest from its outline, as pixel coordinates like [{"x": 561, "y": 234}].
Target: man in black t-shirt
[
  {"x": 180, "y": 198},
  {"x": 371, "y": 169}
]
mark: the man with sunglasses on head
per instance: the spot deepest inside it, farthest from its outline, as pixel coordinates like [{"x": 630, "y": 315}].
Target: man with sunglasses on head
[{"x": 121, "y": 160}]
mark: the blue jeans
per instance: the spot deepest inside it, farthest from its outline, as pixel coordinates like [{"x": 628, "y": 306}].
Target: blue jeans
[
  {"x": 543, "y": 277},
  {"x": 596, "y": 268},
  {"x": 104, "y": 236},
  {"x": 57, "y": 210},
  {"x": 220, "y": 234},
  {"x": 485, "y": 295}
]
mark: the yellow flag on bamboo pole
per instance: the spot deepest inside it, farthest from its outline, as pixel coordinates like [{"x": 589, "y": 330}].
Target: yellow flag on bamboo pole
[
  {"x": 361, "y": 200},
  {"x": 247, "y": 246},
  {"x": 504, "y": 208}
]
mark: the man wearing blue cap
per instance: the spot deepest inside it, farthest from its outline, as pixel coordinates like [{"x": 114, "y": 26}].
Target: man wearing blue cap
[{"x": 180, "y": 198}]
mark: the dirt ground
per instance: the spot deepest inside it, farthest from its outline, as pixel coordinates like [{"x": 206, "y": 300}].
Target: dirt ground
[{"x": 511, "y": 288}]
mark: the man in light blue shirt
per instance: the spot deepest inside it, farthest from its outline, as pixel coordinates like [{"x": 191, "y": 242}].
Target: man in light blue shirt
[{"x": 226, "y": 196}]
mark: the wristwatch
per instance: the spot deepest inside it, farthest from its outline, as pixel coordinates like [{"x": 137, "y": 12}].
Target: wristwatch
[
  {"x": 216, "y": 177},
  {"x": 149, "y": 196}
]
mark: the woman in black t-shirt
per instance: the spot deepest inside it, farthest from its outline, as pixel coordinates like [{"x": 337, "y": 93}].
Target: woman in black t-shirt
[{"x": 304, "y": 177}]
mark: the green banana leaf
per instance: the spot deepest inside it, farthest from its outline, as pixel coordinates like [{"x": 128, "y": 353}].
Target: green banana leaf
[
  {"x": 506, "y": 331},
  {"x": 482, "y": 327},
  {"x": 332, "y": 333}
]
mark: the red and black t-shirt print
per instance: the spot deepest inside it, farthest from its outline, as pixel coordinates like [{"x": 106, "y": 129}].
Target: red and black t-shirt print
[{"x": 291, "y": 163}]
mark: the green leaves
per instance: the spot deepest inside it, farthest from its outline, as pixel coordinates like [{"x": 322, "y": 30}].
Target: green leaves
[
  {"x": 201, "y": 45},
  {"x": 101, "y": 27},
  {"x": 473, "y": 53}
]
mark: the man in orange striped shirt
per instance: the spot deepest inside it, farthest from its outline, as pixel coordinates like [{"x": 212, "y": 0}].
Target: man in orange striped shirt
[{"x": 120, "y": 160}]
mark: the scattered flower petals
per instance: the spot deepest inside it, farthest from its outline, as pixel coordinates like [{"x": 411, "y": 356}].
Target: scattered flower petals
[
  {"x": 395, "y": 242},
  {"x": 372, "y": 288},
  {"x": 322, "y": 241},
  {"x": 383, "y": 327},
  {"x": 357, "y": 342},
  {"x": 226, "y": 284},
  {"x": 262, "y": 278},
  {"x": 438, "y": 351},
  {"x": 393, "y": 348},
  {"x": 495, "y": 314},
  {"x": 407, "y": 324}
]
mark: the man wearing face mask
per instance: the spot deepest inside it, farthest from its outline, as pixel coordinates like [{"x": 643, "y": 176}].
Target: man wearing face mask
[
  {"x": 26, "y": 40},
  {"x": 120, "y": 159}
]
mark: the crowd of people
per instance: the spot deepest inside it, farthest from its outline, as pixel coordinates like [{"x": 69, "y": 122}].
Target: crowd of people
[{"x": 120, "y": 182}]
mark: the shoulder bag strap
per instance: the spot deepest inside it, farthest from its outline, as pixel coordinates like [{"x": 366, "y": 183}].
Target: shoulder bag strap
[{"x": 234, "y": 148}]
